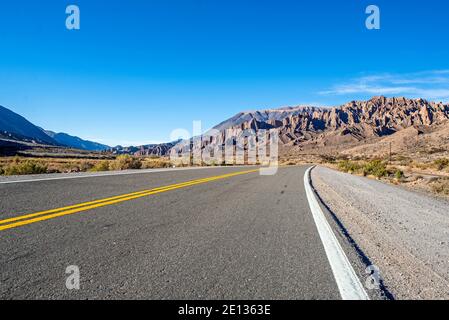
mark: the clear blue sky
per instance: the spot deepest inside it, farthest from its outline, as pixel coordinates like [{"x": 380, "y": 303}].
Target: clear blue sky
[{"x": 139, "y": 69}]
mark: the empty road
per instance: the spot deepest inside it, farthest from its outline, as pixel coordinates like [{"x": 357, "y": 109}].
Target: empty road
[{"x": 217, "y": 233}]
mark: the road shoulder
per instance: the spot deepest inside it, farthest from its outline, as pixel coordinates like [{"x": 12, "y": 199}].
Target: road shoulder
[{"x": 402, "y": 233}]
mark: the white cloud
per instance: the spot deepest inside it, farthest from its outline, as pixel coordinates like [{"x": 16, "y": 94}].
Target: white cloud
[{"x": 431, "y": 85}]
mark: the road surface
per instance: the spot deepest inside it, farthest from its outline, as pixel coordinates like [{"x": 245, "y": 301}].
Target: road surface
[{"x": 235, "y": 236}]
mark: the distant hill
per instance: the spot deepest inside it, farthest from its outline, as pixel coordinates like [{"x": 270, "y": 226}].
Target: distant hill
[
  {"x": 76, "y": 142},
  {"x": 159, "y": 150},
  {"x": 264, "y": 116},
  {"x": 16, "y": 127}
]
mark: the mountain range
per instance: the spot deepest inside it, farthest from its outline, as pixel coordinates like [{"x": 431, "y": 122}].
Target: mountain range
[
  {"x": 300, "y": 128},
  {"x": 16, "y": 128},
  {"x": 353, "y": 121},
  {"x": 76, "y": 142},
  {"x": 357, "y": 128},
  {"x": 161, "y": 149}
]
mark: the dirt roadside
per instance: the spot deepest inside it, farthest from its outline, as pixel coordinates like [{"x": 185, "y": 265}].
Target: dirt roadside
[{"x": 404, "y": 233}]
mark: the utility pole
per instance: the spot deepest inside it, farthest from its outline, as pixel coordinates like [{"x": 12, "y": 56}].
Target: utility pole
[{"x": 390, "y": 155}]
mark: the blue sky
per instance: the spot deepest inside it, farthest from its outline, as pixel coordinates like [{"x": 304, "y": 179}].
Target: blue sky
[{"x": 137, "y": 70}]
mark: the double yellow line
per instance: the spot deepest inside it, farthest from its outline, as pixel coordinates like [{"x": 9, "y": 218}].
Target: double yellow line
[{"x": 22, "y": 220}]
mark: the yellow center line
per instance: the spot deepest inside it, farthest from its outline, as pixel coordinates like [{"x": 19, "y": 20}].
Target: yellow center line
[
  {"x": 98, "y": 201},
  {"x": 54, "y": 213}
]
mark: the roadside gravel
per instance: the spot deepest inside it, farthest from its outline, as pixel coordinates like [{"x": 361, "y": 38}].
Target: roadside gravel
[{"x": 404, "y": 233}]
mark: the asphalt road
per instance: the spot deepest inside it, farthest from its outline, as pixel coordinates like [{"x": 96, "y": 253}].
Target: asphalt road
[{"x": 241, "y": 237}]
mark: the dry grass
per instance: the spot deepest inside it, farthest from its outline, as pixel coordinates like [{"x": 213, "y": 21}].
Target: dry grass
[
  {"x": 376, "y": 168},
  {"x": 18, "y": 167},
  {"x": 25, "y": 165},
  {"x": 101, "y": 166},
  {"x": 440, "y": 186},
  {"x": 154, "y": 163},
  {"x": 441, "y": 164},
  {"x": 13, "y": 165},
  {"x": 426, "y": 176},
  {"x": 125, "y": 162}
]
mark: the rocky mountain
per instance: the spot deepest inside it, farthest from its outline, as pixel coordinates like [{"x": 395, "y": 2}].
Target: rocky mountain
[
  {"x": 159, "y": 150},
  {"x": 16, "y": 127},
  {"x": 354, "y": 121},
  {"x": 264, "y": 116},
  {"x": 314, "y": 130},
  {"x": 76, "y": 142}
]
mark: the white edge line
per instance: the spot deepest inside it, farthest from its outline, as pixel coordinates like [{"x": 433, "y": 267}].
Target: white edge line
[
  {"x": 116, "y": 174},
  {"x": 348, "y": 283}
]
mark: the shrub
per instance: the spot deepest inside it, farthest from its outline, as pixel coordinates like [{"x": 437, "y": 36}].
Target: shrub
[
  {"x": 348, "y": 166},
  {"x": 17, "y": 167},
  {"x": 441, "y": 186},
  {"x": 442, "y": 163},
  {"x": 328, "y": 158},
  {"x": 69, "y": 167},
  {"x": 375, "y": 168},
  {"x": 153, "y": 163},
  {"x": 85, "y": 166},
  {"x": 422, "y": 166},
  {"x": 125, "y": 162},
  {"x": 100, "y": 166},
  {"x": 404, "y": 161},
  {"x": 398, "y": 174},
  {"x": 75, "y": 166}
]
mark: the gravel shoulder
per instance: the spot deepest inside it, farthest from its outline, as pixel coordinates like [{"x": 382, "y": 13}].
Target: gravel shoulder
[{"x": 404, "y": 233}]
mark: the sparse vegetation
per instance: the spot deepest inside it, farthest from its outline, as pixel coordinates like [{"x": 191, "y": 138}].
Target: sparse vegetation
[
  {"x": 440, "y": 186},
  {"x": 154, "y": 163},
  {"x": 328, "y": 158},
  {"x": 441, "y": 163},
  {"x": 398, "y": 174},
  {"x": 125, "y": 162},
  {"x": 100, "y": 166},
  {"x": 74, "y": 166},
  {"x": 349, "y": 166},
  {"x": 23, "y": 167},
  {"x": 403, "y": 174},
  {"x": 375, "y": 168},
  {"x": 421, "y": 165},
  {"x": 403, "y": 160}
]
